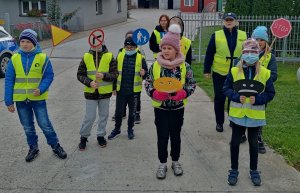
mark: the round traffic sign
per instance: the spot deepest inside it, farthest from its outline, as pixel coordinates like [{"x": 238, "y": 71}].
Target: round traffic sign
[
  {"x": 281, "y": 28},
  {"x": 140, "y": 36},
  {"x": 96, "y": 38}
]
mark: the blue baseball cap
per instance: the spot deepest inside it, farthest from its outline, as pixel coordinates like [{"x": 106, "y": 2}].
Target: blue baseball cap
[{"x": 229, "y": 15}]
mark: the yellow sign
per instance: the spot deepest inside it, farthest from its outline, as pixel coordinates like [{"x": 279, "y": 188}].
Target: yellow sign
[
  {"x": 167, "y": 84},
  {"x": 59, "y": 35},
  {"x": 2, "y": 21}
]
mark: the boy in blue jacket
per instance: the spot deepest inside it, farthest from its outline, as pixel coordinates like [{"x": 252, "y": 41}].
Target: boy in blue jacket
[{"x": 28, "y": 78}]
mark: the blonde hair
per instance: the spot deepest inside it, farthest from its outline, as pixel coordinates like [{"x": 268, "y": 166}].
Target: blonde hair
[{"x": 240, "y": 67}]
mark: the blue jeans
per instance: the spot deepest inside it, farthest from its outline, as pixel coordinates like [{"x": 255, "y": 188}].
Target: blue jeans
[{"x": 25, "y": 111}]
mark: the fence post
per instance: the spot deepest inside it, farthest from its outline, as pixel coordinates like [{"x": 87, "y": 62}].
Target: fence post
[{"x": 38, "y": 23}]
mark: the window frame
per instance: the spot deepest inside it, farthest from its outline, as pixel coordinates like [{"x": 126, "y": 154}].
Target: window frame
[
  {"x": 99, "y": 7},
  {"x": 30, "y": 6},
  {"x": 189, "y": 4}
]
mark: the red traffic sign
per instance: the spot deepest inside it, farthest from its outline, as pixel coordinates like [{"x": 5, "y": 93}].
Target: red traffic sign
[
  {"x": 281, "y": 28},
  {"x": 96, "y": 38}
]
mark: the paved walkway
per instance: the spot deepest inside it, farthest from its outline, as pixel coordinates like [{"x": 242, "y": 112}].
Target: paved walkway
[{"x": 126, "y": 166}]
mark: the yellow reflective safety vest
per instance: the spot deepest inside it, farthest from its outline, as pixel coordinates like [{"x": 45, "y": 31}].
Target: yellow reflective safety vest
[
  {"x": 221, "y": 65},
  {"x": 158, "y": 39},
  {"x": 26, "y": 84},
  {"x": 156, "y": 75},
  {"x": 137, "y": 87},
  {"x": 265, "y": 59},
  {"x": 240, "y": 110},
  {"x": 185, "y": 45},
  {"x": 104, "y": 87}
]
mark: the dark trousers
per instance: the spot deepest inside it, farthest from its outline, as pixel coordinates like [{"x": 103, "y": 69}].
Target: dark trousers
[
  {"x": 219, "y": 100},
  {"x": 168, "y": 125},
  {"x": 237, "y": 132},
  {"x": 121, "y": 102},
  {"x": 137, "y": 105}
]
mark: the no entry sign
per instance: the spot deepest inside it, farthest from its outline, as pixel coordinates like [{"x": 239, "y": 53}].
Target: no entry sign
[
  {"x": 281, "y": 28},
  {"x": 96, "y": 38}
]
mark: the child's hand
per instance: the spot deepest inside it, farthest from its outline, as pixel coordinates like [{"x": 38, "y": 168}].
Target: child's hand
[
  {"x": 37, "y": 92},
  {"x": 243, "y": 99},
  {"x": 94, "y": 84},
  {"x": 11, "y": 108},
  {"x": 207, "y": 75},
  {"x": 114, "y": 92},
  {"x": 252, "y": 100},
  {"x": 99, "y": 76},
  {"x": 142, "y": 72}
]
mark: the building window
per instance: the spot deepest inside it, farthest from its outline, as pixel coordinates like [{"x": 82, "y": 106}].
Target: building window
[
  {"x": 33, "y": 7},
  {"x": 188, "y": 2},
  {"x": 119, "y": 6},
  {"x": 99, "y": 9}
]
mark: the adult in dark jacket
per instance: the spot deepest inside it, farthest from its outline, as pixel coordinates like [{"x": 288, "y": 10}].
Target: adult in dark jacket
[
  {"x": 224, "y": 46},
  {"x": 158, "y": 33},
  {"x": 132, "y": 68},
  {"x": 98, "y": 81}
]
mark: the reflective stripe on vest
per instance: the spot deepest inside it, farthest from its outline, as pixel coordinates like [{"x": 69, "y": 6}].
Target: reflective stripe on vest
[
  {"x": 26, "y": 84},
  {"x": 185, "y": 45},
  {"x": 104, "y": 87},
  {"x": 240, "y": 110},
  {"x": 265, "y": 59},
  {"x": 221, "y": 65},
  {"x": 156, "y": 75},
  {"x": 137, "y": 85}
]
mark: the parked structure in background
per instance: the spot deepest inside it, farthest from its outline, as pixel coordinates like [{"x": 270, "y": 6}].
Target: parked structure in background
[
  {"x": 195, "y": 6},
  {"x": 33, "y": 13},
  {"x": 159, "y": 4}
]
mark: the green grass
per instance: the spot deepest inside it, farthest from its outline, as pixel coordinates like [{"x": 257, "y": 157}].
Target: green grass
[{"x": 282, "y": 132}]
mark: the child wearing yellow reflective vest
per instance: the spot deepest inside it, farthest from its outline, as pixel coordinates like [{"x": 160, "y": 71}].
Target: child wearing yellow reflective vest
[
  {"x": 169, "y": 108},
  {"x": 132, "y": 68},
  {"x": 28, "y": 77},
  {"x": 99, "y": 85},
  {"x": 247, "y": 112}
]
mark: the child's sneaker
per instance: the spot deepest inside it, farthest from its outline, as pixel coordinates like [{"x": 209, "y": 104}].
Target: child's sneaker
[
  {"x": 161, "y": 171},
  {"x": 255, "y": 177},
  {"x": 233, "y": 177},
  {"x": 32, "y": 153},
  {"x": 243, "y": 139},
  {"x": 59, "y": 151},
  {"x": 137, "y": 119},
  {"x": 82, "y": 143},
  {"x": 101, "y": 141},
  {"x": 130, "y": 134},
  {"x": 261, "y": 147},
  {"x": 114, "y": 133},
  {"x": 177, "y": 169}
]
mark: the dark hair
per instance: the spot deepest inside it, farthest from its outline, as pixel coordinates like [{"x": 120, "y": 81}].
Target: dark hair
[
  {"x": 167, "y": 17},
  {"x": 181, "y": 24}
]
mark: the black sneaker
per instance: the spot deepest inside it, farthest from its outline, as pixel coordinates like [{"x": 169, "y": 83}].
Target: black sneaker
[
  {"x": 243, "y": 139},
  {"x": 32, "y": 153},
  {"x": 130, "y": 134},
  {"x": 101, "y": 141},
  {"x": 114, "y": 133},
  {"x": 261, "y": 147},
  {"x": 255, "y": 177},
  {"x": 59, "y": 151},
  {"x": 137, "y": 119},
  {"x": 219, "y": 128},
  {"x": 233, "y": 177},
  {"x": 82, "y": 143}
]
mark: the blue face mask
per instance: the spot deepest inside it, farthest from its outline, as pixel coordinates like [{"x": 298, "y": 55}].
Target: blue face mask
[
  {"x": 130, "y": 53},
  {"x": 250, "y": 58}
]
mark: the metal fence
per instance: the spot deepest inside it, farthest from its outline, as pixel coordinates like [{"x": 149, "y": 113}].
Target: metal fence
[{"x": 200, "y": 26}]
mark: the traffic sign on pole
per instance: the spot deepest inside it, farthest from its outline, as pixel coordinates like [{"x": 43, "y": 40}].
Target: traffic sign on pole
[
  {"x": 281, "y": 28},
  {"x": 96, "y": 38}
]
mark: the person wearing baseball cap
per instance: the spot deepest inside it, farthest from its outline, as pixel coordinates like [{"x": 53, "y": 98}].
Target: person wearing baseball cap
[
  {"x": 247, "y": 112},
  {"x": 224, "y": 46}
]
